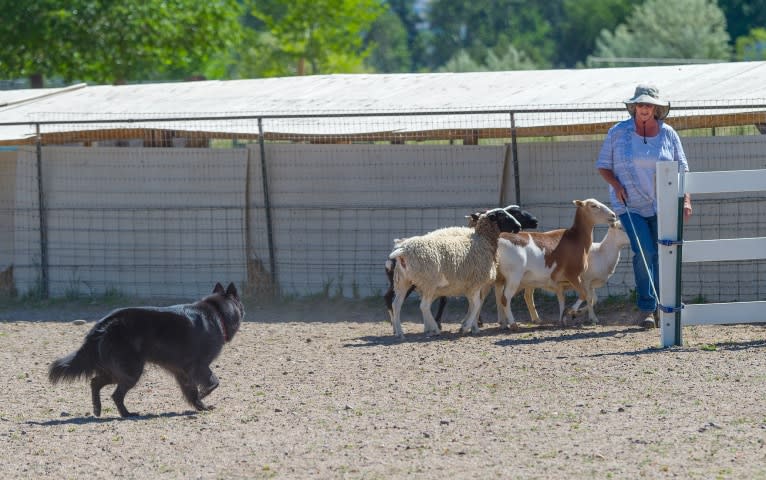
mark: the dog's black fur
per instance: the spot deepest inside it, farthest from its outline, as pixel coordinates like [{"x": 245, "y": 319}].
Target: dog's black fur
[{"x": 183, "y": 339}]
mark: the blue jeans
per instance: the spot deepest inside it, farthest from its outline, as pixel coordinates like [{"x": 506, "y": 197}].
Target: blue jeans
[{"x": 645, "y": 232}]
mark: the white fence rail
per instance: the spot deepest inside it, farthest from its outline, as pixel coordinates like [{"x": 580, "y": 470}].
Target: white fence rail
[{"x": 671, "y": 186}]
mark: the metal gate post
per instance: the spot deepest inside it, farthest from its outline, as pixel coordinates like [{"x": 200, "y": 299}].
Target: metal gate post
[
  {"x": 669, "y": 248},
  {"x": 267, "y": 206},
  {"x": 44, "y": 287}
]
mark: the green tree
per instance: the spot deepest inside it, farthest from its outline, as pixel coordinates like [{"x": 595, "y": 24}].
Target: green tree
[
  {"x": 150, "y": 39},
  {"x": 743, "y": 15},
  {"x": 508, "y": 58},
  {"x": 581, "y": 23},
  {"x": 752, "y": 47},
  {"x": 659, "y": 29},
  {"x": 318, "y": 36},
  {"x": 33, "y": 38},
  {"x": 115, "y": 42},
  {"x": 480, "y": 25},
  {"x": 413, "y": 23},
  {"x": 387, "y": 42}
]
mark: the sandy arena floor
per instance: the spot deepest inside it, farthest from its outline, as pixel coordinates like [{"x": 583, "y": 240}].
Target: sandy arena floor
[{"x": 326, "y": 392}]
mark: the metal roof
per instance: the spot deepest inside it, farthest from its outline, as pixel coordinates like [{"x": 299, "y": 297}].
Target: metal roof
[{"x": 535, "y": 93}]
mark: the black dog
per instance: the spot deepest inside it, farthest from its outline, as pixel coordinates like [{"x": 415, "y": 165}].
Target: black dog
[{"x": 183, "y": 339}]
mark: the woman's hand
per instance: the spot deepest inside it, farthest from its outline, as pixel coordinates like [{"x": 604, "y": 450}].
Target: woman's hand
[
  {"x": 687, "y": 207},
  {"x": 611, "y": 179},
  {"x": 621, "y": 193}
]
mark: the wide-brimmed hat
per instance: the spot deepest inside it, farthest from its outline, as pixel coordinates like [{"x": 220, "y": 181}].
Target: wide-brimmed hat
[{"x": 648, "y": 94}]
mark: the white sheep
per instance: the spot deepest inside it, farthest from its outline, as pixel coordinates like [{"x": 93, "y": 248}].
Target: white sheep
[
  {"x": 525, "y": 219},
  {"x": 458, "y": 263},
  {"x": 603, "y": 258}
]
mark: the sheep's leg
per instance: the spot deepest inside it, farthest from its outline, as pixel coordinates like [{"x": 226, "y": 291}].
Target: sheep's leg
[
  {"x": 502, "y": 320},
  {"x": 440, "y": 311},
  {"x": 429, "y": 324},
  {"x": 508, "y": 292},
  {"x": 562, "y": 307},
  {"x": 581, "y": 292},
  {"x": 474, "y": 306},
  {"x": 529, "y": 299},
  {"x": 484, "y": 294},
  {"x": 574, "y": 309},
  {"x": 396, "y": 311},
  {"x": 591, "y": 303},
  {"x": 402, "y": 288}
]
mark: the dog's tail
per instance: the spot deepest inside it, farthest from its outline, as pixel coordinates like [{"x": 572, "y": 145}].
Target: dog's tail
[{"x": 79, "y": 364}]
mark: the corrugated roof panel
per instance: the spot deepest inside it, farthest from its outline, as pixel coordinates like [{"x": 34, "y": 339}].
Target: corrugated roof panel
[{"x": 740, "y": 83}]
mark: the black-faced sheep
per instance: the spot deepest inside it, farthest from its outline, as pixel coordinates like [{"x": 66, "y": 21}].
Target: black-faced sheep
[
  {"x": 525, "y": 219},
  {"x": 458, "y": 263}
]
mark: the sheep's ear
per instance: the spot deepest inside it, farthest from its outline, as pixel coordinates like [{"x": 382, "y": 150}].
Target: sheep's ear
[
  {"x": 579, "y": 203},
  {"x": 474, "y": 216}
]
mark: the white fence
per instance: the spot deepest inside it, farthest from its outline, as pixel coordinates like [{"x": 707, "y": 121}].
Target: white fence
[{"x": 673, "y": 252}]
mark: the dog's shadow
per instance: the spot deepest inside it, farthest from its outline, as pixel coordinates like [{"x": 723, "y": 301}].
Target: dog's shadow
[{"x": 94, "y": 420}]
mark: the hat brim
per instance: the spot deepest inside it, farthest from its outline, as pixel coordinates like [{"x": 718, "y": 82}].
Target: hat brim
[
  {"x": 661, "y": 110},
  {"x": 644, "y": 98}
]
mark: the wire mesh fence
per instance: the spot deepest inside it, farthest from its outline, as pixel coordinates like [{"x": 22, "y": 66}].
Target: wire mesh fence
[{"x": 304, "y": 205}]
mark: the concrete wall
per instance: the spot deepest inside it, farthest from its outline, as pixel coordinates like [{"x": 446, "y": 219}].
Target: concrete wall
[
  {"x": 159, "y": 222},
  {"x": 171, "y": 222},
  {"x": 336, "y": 208},
  {"x": 7, "y": 208}
]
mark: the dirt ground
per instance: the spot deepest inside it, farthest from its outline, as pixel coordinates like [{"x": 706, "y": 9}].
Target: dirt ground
[{"x": 322, "y": 390}]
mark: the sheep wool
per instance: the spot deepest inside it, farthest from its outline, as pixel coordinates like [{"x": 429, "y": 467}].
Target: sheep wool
[{"x": 448, "y": 262}]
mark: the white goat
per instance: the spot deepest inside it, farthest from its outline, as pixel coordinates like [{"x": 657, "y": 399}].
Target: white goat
[
  {"x": 549, "y": 259},
  {"x": 457, "y": 264},
  {"x": 603, "y": 258}
]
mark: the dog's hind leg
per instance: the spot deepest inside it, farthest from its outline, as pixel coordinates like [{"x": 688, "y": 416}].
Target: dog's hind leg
[
  {"x": 119, "y": 398},
  {"x": 96, "y": 384},
  {"x": 125, "y": 381}
]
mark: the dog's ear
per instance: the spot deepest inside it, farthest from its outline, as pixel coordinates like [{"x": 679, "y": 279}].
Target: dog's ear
[
  {"x": 231, "y": 290},
  {"x": 218, "y": 288}
]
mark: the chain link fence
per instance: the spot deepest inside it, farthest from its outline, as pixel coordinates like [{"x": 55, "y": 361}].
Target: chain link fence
[{"x": 309, "y": 205}]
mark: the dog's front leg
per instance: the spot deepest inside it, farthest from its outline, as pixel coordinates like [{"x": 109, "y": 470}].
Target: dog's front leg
[
  {"x": 191, "y": 392},
  {"x": 209, "y": 382}
]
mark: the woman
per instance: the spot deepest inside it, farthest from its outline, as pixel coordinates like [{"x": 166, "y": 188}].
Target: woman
[{"x": 627, "y": 162}]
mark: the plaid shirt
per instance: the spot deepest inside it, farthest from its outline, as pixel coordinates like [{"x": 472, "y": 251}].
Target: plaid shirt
[{"x": 617, "y": 155}]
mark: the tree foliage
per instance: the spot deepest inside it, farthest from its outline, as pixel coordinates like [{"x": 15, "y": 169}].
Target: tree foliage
[
  {"x": 105, "y": 41},
  {"x": 752, "y": 47},
  {"x": 480, "y": 25},
  {"x": 581, "y": 23},
  {"x": 743, "y": 15},
  {"x": 116, "y": 42},
  {"x": 33, "y": 38},
  {"x": 508, "y": 59},
  {"x": 658, "y": 29},
  {"x": 319, "y": 36},
  {"x": 388, "y": 44}
]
